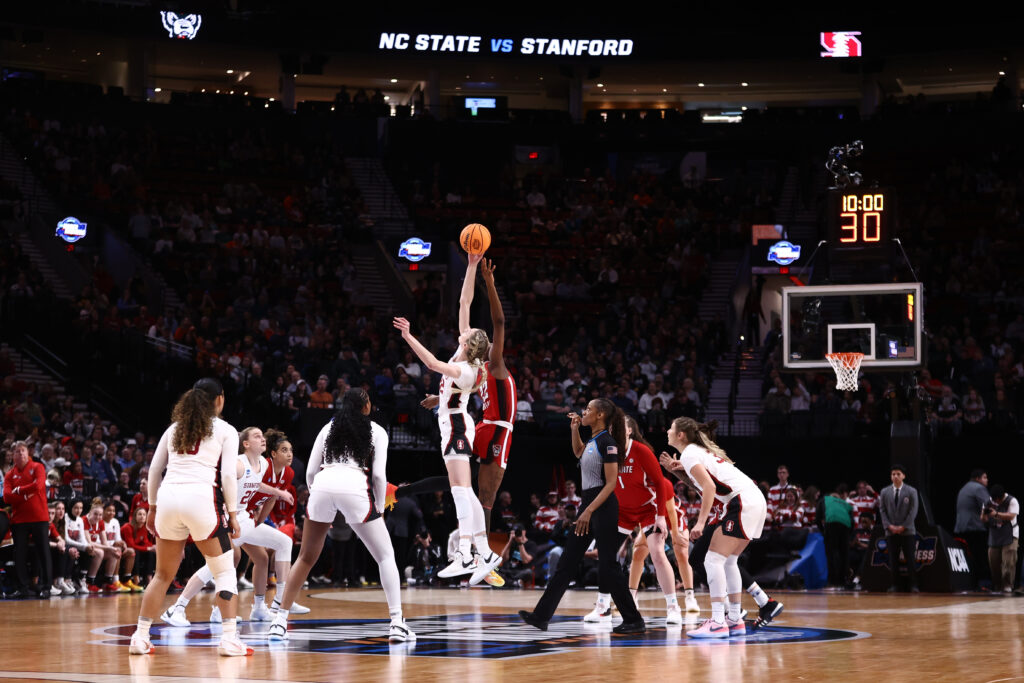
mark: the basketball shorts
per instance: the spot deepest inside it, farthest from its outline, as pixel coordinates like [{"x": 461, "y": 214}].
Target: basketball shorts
[
  {"x": 744, "y": 516},
  {"x": 341, "y": 489},
  {"x": 491, "y": 444},
  {"x": 457, "y": 433},
  {"x": 185, "y": 510},
  {"x": 264, "y": 536},
  {"x": 631, "y": 518}
]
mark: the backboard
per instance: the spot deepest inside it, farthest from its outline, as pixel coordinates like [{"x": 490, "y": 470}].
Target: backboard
[{"x": 882, "y": 321}]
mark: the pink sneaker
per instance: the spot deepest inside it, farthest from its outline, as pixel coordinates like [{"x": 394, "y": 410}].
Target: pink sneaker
[
  {"x": 736, "y": 628},
  {"x": 710, "y": 629}
]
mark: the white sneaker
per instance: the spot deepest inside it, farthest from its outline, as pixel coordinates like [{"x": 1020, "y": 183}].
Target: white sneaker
[
  {"x": 244, "y": 582},
  {"x": 691, "y": 605},
  {"x": 599, "y": 616},
  {"x": 485, "y": 565},
  {"x": 68, "y": 587},
  {"x": 400, "y": 632},
  {"x": 54, "y": 591},
  {"x": 674, "y": 616},
  {"x": 139, "y": 646},
  {"x": 233, "y": 647},
  {"x": 215, "y": 617},
  {"x": 260, "y": 613},
  {"x": 459, "y": 566},
  {"x": 278, "y": 630},
  {"x": 296, "y": 608},
  {"x": 175, "y": 616},
  {"x": 83, "y": 586}
]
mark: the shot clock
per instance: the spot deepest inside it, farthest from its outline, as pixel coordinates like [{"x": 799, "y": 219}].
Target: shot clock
[{"x": 859, "y": 219}]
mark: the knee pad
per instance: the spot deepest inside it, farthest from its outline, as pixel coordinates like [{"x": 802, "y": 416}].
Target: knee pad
[
  {"x": 205, "y": 574},
  {"x": 733, "y": 581},
  {"x": 223, "y": 568},
  {"x": 463, "y": 503},
  {"x": 282, "y": 545},
  {"x": 714, "y": 565}
]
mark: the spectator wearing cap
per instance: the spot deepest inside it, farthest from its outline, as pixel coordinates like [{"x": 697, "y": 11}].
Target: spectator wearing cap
[{"x": 321, "y": 398}]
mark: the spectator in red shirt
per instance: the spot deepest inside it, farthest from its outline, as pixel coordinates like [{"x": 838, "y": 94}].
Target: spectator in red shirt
[
  {"x": 75, "y": 477},
  {"x": 141, "y": 499},
  {"x": 25, "y": 492},
  {"x": 137, "y": 537},
  {"x": 547, "y": 516},
  {"x": 865, "y": 501}
]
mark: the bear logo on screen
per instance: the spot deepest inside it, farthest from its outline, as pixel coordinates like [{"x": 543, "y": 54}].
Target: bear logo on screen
[{"x": 184, "y": 28}]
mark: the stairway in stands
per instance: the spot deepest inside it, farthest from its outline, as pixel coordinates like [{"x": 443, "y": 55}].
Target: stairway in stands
[
  {"x": 30, "y": 372},
  {"x": 386, "y": 208},
  {"x": 748, "y": 392},
  {"x": 371, "y": 280},
  {"x": 716, "y": 296},
  {"x": 60, "y": 287}
]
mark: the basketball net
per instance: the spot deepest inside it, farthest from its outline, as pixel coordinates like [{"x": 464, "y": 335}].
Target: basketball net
[{"x": 846, "y": 365}]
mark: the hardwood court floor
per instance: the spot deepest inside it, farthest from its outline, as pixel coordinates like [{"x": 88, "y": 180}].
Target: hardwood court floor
[{"x": 474, "y": 637}]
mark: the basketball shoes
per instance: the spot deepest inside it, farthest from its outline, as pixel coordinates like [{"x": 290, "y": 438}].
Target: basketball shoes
[
  {"x": 260, "y": 613},
  {"x": 485, "y": 565},
  {"x": 175, "y": 616},
  {"x": 736, "y": 628},
  {"x": 765, "y": 614},
  {"x": 400, "y": 632},
  {"x": 691, "y": 605},
  {"x": 710, "y": 629},
  {"x": 674, "y": 617},
  {"x": 233, "y": 647},
  {"x": 599, "y": 615},
  {"x": 140, "y": 645},
  {"x": 459, "y": 566}
]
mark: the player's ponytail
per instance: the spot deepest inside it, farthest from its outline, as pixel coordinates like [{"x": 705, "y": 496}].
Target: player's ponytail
[
  {"x": 350, "y": 436},
  {"x": 701, "y": 434},
  {"x": 194, "y": 413},
  {"x": 615, "y": 423},
  {"x": 636, "y": 433}
]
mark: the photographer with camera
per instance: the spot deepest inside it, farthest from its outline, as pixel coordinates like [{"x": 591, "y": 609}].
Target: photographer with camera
[
  {"x": 425, "y": 559},
  {"x": 1000, "y": 515},
  {"x": 519, "y": 556}
]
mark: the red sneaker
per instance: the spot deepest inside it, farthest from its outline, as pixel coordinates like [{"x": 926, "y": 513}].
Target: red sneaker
[{"x": 93, "y": 588}]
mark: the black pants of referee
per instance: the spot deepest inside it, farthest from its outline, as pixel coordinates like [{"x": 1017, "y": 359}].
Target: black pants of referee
[
  {"x": 604, "y": 526},
  {"x": 700, "y": 551},
  {"x": 40, "y": 533}
]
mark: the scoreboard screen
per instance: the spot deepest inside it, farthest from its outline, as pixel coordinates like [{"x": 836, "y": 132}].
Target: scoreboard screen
[{"x": 860, "y": 220}]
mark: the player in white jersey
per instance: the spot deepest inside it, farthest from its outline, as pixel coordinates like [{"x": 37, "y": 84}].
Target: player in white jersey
[
  {"x": 461, "y": 376},
  {"x": 346, "y": 474},
  {"x": 745, "y": 507},
  {"x": 199, "y": 452},
  {"x": 250, "y": 468}
]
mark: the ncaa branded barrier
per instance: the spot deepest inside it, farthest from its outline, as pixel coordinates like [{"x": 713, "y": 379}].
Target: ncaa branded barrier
[{"x": 941, "y": 561}]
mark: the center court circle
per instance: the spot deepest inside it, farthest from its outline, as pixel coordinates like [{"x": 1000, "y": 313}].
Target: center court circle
[{"x": 485, "y": 636}]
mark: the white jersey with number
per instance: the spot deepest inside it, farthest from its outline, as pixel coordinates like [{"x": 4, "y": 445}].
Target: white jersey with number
[
  {"x": 249, "y": 482},
  {"x": 729, "y": 481},
  {"x": 453, "y": 396},
  {"x": 210, "y": 462}
]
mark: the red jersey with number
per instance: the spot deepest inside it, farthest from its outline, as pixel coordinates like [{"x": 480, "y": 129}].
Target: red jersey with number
[
  {"x": 284, "y": 512},
  {"x": 640, "y": 478},
  {"x": 279, "y": 481},
  {"x": 499, "y": 398}
]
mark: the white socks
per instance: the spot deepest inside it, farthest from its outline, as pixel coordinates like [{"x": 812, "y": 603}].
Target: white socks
[
  {"x": 671, "y": 601},
  {"x": 604, "y": 601},
  {"x": 734, "y": 611},
  {"x": 760, "y": 597},
  {"x": 228, "y": 629},
  {"x": 142, "y": 627},
  {"x": 718, "y": 612}
]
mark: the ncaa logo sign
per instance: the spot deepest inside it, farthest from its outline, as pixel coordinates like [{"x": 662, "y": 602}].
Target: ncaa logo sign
[
  {"x": 958, "y": 560},
  {"x": 71, "y": 230}
]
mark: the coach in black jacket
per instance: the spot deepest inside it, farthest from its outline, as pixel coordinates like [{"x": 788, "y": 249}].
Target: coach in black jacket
[{"x": 898, "y": 505}]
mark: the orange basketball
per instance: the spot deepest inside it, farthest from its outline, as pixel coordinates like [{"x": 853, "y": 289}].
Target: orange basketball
[{"x": 475, "y": 238}]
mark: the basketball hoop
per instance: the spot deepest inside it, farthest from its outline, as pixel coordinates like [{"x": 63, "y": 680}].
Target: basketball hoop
[{"x": 846, "y": 365}]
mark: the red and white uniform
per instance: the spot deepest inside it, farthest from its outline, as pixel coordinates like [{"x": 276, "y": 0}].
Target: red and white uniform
[
  {"x": 546, "y": 519},
  {"x": 777, "y": 494},
  {"x": 111, "y": 531},
  {"x": 745, "y": 506},
  {"x": 494, "y": 435},
  {"x": 639, "y": 490},
  {"x": 457, "y": 428},
  {"x": 262, "y": 535},
  {"x": 94, "y": 533},
  {"x": 198, "y": 484},
  {"x": 788, "y": 518},
  {"x": 862, "y": 504},
  {"x": 74, "y": 533}
]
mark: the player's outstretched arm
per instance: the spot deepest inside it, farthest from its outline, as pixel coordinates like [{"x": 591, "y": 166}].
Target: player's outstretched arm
[
  {"x": 421, "y": 351},
  {"x": 466, "y": 298},
  {"x": 497, "y": 356}
]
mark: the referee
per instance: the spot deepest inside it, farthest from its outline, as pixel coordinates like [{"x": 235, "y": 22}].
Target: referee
[{"x": 599, "y": 465}]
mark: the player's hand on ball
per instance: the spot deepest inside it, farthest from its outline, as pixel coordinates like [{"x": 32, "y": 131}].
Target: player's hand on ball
[
  {"x": 696, "y": 532},
  {"x": 474, "y": 258},
  {"x": 430, "y": 402}
]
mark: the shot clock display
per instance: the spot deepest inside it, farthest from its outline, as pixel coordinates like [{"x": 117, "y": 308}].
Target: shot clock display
[{"x": 858, "y": 218}]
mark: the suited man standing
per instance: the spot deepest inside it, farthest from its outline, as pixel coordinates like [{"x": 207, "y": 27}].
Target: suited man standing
[{"x": 898, "y": 505}]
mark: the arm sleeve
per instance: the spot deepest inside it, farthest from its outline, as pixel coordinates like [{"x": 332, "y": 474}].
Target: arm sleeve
[
  {"x": 652, "y": 469},
  {"x": 157, "y": 467},
  {"x": 316, "y": 456},
  {"x": 380, "y": 465},
  {"x": 228, "y": 466}
]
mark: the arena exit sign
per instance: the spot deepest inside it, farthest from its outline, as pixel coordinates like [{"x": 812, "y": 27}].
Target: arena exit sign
[{"x": 466, "y": 44}]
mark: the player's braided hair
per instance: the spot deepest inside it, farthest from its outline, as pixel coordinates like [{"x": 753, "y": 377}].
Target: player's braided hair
[
  {"x": 701, "y": 434},
  {"x": 194, "y": 413},
  {"x": 350, "y": 435},
  {"x": 614, "y": 422}
]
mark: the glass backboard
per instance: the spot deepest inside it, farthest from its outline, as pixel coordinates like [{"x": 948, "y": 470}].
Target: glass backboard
[{"x": 884, "y": 322}]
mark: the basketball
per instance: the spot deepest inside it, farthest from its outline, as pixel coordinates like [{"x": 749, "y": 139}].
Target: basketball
[{"x": 475, "y": 238}]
